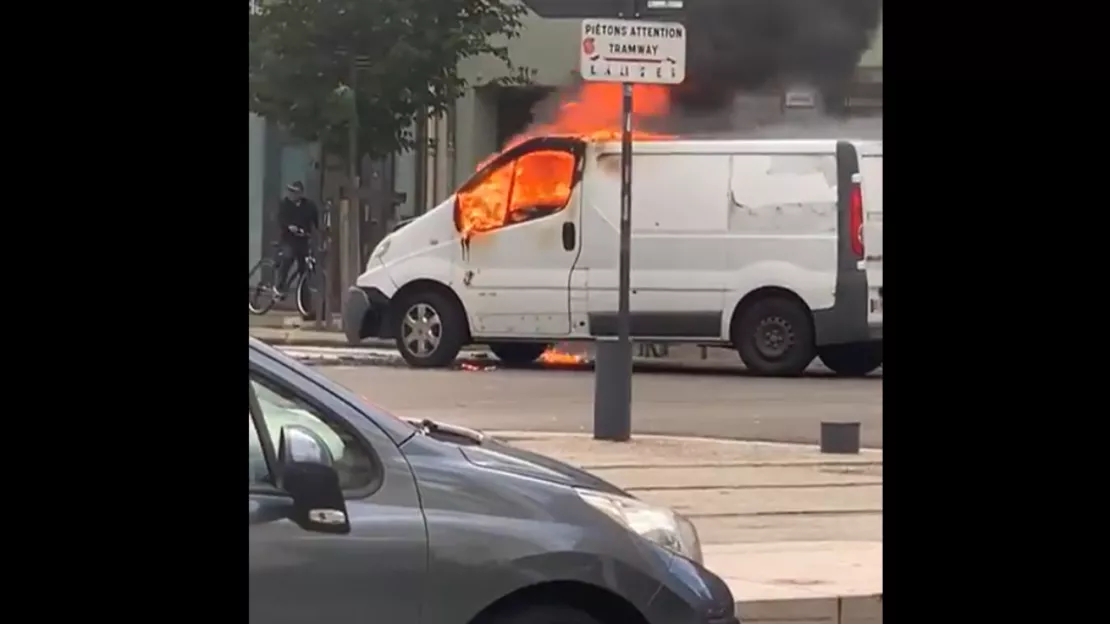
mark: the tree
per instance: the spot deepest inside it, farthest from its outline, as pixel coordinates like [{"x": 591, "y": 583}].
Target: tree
[{"x": 404, "y": 55}]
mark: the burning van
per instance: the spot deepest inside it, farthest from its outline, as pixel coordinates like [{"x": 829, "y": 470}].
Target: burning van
[{"x": 771, "y": 247}]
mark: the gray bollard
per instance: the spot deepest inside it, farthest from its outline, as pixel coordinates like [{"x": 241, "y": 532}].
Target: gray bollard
[
  {"x": 841, "y": 438},
  {"x": 612, "y": 390}
]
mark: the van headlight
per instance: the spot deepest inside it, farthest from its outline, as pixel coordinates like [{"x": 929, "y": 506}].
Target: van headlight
[
  {"x": 657, "y": 524},
  {"x": 382, "y": 247}
]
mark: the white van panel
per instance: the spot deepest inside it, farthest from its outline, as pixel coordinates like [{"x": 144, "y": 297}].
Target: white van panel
[
  {"x": 679, "y": 219},
  {"x": 427, "y": 248},
  {"x": 782, "y": 224},
  {"x": 872, "y": 169},
  {"x": 677, "y": 194}
]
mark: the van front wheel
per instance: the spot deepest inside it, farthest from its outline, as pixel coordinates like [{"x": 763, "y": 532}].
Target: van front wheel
[
  {"x": 517, "y": 353},
  {"x": 852, "y": 360},
  {"x": 429, "y": 330},
  {"x": 774, "y": 337}
]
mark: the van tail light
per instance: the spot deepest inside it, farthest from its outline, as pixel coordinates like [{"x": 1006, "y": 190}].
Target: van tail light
[{"x": 855, "y": 216}]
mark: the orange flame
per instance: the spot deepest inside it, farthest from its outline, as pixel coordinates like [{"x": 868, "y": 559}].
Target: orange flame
[
  {"x": 539, "y": 182},
  {"x": 561, "y": 358}
]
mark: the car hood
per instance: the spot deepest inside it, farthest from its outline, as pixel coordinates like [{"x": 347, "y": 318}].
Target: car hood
[{"x": 491, "y": 453}]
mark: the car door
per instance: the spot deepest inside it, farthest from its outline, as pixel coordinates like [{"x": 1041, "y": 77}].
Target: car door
[
  {"x": 520, "y": 221},
  {"x": 374, "y": 573}
]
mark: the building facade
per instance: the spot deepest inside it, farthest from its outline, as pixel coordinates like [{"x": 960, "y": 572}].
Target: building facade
[
  {"x": 450, "y": 147},
  {"x": 546, "y": 49},
  {"x": 275, "y": 160}
]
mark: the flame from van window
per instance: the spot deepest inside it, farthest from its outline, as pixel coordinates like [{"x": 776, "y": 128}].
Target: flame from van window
[
  {"x": 541, "y": 180},
  {"x": 536, "y": 182}
]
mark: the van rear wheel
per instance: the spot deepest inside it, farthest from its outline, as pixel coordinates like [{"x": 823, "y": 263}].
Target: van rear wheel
[
  {"x": 774, "y": 337},
  {"x": 517, "y": 353},
  {"x": 852, "y": 360},
  {"x": 430, "y": 329}
]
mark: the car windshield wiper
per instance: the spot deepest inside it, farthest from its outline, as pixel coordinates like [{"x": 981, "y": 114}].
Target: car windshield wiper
[{"x": 447, "y": 432}]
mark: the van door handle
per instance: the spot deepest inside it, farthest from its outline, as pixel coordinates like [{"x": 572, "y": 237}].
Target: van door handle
[{"x": 568, "y": 235}]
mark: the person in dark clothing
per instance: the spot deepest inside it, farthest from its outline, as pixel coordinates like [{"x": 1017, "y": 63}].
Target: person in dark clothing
[{"x": 297, "y": 218}]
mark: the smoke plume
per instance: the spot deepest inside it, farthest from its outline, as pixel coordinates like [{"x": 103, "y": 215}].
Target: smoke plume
[
  {"x": 747, "y": 45},
  {"x": 740, "y": 57}
]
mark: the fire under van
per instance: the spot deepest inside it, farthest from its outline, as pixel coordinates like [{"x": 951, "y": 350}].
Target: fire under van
[{"x": 772, "y": 248}]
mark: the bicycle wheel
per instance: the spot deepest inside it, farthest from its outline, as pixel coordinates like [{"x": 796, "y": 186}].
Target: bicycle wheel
[
  {"x": 308, "y": 291},
  {"x": 261, "y": 287}
]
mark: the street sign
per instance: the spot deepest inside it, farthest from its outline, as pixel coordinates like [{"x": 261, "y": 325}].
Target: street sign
[{"x": 632, "y": 51}]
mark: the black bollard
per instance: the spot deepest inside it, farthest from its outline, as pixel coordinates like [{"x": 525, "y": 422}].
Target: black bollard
[{"x": 841, "y": 438}]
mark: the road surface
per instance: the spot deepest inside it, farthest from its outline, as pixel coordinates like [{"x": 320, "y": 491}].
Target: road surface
[{"x": 723, "y": 406}]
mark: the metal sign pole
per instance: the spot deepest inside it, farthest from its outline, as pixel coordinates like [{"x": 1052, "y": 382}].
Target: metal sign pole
[
  {"x": 613, "y": 364},
  {"x": 627, "y": 51}
]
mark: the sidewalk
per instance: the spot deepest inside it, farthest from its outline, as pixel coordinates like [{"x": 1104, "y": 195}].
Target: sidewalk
[{"x": 796, "y": 534}]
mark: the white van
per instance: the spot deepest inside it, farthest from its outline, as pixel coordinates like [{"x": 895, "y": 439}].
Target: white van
[{"x": 773, "y": 248}]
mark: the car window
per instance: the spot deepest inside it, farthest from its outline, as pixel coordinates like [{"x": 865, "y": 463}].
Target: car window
[
  {"x": 353, "y": 461},
  {"x": 259, "y": 472}
]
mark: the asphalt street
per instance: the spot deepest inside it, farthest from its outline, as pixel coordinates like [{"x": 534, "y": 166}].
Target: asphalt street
[{"x": 721, "y": 406}]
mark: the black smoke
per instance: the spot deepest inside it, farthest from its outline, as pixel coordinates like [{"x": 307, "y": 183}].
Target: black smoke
[{"x": 748, "y": 45}]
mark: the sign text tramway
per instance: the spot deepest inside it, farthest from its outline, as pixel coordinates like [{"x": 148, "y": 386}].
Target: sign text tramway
[{"x": 632, "y": 51}]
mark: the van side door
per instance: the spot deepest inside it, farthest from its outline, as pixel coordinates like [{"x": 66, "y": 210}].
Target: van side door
[
  {"x": 374, "y": 573},
  {"x": 678, "y": 244},
  {"x": 520, "y": 222}
]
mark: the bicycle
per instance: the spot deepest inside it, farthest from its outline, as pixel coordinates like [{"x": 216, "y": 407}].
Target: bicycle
[{"x": 264, "y": 293}]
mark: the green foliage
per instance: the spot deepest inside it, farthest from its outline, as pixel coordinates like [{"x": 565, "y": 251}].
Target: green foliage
[{"x": 406, "y": 53}]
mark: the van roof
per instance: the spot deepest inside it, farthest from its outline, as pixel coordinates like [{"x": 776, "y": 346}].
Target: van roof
[{"x": 734, "y": 146}]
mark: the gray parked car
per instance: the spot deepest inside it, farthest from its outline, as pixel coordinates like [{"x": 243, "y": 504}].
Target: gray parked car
[{"x": 358, "y": 517}]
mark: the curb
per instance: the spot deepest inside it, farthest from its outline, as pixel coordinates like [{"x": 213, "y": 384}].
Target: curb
[
  {"x": 842, "y": 609},
  {"x": 379, "y": 357},
  {"x": 290, "y": 341}
]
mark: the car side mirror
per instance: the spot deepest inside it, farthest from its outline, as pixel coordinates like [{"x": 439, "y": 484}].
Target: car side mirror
[
  {"x": 303, "y": 445},
  {"x": 309, "y": 477}
]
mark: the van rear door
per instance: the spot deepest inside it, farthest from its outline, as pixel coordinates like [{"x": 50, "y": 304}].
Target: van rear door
[{"x": 871, "y": 166}]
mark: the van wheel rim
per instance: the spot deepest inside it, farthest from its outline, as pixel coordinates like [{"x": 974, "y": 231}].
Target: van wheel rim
[
  {"x": 774, "y": 336},
  {"x": 421, "y": 330}
]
